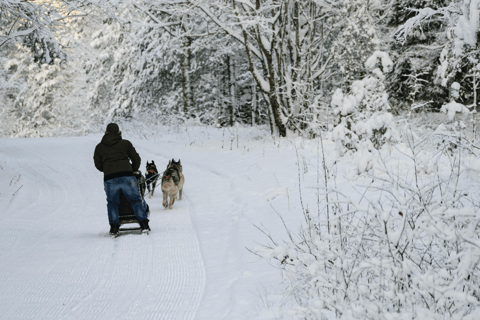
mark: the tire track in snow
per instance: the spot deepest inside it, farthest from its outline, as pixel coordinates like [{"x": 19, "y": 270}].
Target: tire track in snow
[
  {"x": 219, "y": 201},
  {"x": 214, "y": 198},
  {"x": 181, "y": 296}
]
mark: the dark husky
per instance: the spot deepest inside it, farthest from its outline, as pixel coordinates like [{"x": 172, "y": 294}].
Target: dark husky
[
  {"x": 151, "y": 177},
  {"x": 172, "y": 183}
]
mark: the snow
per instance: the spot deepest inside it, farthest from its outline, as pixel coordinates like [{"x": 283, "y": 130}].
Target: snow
[
  {"x": 452, "y": 108},
  {"x": 456, "y": 86},
  {"x": 365, "y": 162},
  {"x": 387, "y": 63},
  {"x": 343, "y": 105},
  {"x": 423, "y": 14},
  {"x": 266, "y": 43},
  {"x": 337, "y": 98},
  {"x": 467, "y": 26},
  {"x": 262, "y": 82}
]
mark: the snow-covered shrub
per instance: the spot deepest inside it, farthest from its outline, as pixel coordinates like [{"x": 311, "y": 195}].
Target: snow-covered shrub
[
  {"x": 449, "y": 138},
  {"x": 460, "y": 73},
  {"x": 452, "y": 108},
  {"x": 407, "y": 249},
  {"x": 364, "y": 112}
]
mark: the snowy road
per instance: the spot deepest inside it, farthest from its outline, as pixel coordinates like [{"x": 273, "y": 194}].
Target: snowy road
[{"x": 58, "y": 262}]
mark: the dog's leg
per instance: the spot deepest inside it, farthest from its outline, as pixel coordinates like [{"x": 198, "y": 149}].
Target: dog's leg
[
  {"x": 172, "y": 200},
  {"x": 180, "y": 194},
  {"x": 165, "y": 200}
]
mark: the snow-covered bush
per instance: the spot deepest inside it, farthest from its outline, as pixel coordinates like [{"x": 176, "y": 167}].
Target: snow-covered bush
[
  {"x": 406, "y": 248},
  {"x": 452, "y": 108},
  {"x": 364, "y": 112}
]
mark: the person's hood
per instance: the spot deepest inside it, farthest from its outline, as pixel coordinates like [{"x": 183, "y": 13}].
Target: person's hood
[{"x": 110, "y": 139}]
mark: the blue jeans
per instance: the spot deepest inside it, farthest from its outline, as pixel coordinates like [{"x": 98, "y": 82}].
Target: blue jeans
[{"x": 129, "y": 186}]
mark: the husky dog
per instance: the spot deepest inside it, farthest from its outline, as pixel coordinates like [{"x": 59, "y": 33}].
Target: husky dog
[
  {"x": 151, "y": 177},
  {"x": 172, "y": 183}
]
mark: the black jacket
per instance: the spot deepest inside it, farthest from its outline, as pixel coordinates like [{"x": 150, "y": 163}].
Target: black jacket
[{"x": 112, "y": 157}]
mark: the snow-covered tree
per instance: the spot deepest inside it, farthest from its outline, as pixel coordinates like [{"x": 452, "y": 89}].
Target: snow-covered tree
[
  {"x": 437, "y": 44},
  {"x": 284, "y": 46},
  {"x": 42, "y": 99},
  {"x": 171, "y": 61},
  {"x": 365, "y": 121},
  {"x": 357, "y": 39},
  {"x": 35, "y": 24}
]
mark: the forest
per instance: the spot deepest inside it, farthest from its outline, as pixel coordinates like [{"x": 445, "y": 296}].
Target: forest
[
  {"x": 296, "y": 66},
  {"x": 380, "y": 94}
]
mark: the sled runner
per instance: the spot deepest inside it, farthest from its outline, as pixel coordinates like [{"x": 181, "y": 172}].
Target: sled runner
[{"x": 125, "y": 211}]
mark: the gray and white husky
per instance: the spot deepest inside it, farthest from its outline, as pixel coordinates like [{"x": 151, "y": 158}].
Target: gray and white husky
[{"x": 172, "y": 183}]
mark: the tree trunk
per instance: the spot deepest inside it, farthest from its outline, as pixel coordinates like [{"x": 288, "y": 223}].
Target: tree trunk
[
  {"x": 185, "y": 60},
  {"x": 254, "y": 102},
  {"x": 274, "y": 99},
  {"x": 219, "y": 99},
  {"x": 277, "y": 114},
  {"x": 233, "y": 85}
]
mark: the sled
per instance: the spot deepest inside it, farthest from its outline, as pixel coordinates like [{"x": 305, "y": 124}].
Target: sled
[{"x": 125, "y": 211}]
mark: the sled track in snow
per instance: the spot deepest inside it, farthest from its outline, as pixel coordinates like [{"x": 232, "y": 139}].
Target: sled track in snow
[{"x": 62, "y": 264}]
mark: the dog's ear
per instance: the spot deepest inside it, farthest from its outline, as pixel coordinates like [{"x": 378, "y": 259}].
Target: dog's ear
[
  {"x": 179, "y": 161},
  {"x": 153, "y": 162}
]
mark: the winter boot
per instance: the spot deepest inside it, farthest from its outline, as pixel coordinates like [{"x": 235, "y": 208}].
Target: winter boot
[
  {"x": 144, "y": 226},
  {"x": 114, "y": 229}
]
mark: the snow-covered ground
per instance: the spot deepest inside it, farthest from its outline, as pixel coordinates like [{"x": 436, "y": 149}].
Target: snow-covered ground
[{"x": 58, "y": 262}]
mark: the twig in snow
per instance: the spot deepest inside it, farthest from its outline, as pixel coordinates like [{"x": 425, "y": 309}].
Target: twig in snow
[{"x": 13, "y": 195}]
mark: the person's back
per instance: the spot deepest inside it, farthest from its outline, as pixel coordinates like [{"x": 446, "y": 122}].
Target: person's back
[{"x": 113, "y": 154}]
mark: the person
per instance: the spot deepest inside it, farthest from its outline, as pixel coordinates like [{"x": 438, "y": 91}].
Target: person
[{"x": 112, "y": 156}]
